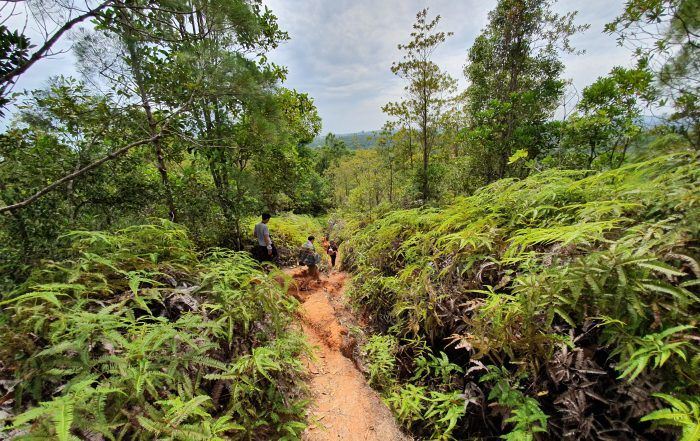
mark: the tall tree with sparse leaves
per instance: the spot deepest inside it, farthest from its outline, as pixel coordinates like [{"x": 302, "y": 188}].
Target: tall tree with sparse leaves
[{"x": 428, "y": 91}]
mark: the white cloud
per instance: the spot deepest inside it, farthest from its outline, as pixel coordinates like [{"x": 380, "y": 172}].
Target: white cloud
[{"x": 341, "y": 51}]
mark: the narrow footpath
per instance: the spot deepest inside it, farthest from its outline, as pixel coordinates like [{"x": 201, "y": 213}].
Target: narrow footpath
[{"x": 344, "y": 407}]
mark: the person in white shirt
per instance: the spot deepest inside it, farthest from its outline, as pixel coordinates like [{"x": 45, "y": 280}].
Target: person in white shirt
[{"x": 265, "y": 249}]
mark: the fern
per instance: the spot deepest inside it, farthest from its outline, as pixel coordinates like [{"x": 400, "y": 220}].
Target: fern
[
  {"x": 683, "y": 414},
  {"x": 527, "y": 417},
  {"x": 126, "y": 361},
  {"x": 379, "y": 353},
  {"x": 408, "y": 404},
  {"x": 523, "y": 267},
  {"x": 654, "y": 348}
]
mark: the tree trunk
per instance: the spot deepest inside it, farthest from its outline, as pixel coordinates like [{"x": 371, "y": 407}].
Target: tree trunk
[
  {"x": 23, "y": 236},
  {"x": 152, "y": 127},
  {"x": 391, "y": 182},
  {"x": 591, "y": 156},
  {"x": 624, "y": 153},
  {"x": 164, "y": 178},
  {"x": 410, "y": 146},
  {"x": 515, "y": 56},
  {"x": 424, "y": 140}
]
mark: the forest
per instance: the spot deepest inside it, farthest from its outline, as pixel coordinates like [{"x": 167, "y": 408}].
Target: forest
[{"x": 520, "y": 259}]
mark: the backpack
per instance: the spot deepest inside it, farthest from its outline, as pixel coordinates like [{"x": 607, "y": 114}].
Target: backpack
[{"x": 308, "y": 257}]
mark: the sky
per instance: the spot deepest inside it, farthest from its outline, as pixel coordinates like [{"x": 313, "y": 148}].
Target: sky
[{"x": 340, "y": 51}]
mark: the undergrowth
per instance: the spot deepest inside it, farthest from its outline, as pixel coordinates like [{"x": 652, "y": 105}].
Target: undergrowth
[
  {"x": 561, "y": 306},
  {"x": 136, "y": 337}
]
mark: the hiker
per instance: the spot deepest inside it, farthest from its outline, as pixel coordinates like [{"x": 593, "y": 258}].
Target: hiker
[
  {"x": 325, "y": 243},
  {"x": 311, "y": 259},
  {"x": 332, "y": 251},
  {"x": 264, "y": 250}
]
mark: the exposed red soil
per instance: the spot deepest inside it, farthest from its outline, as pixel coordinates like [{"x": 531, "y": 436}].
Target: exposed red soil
[{"x": 344, "y": 407}]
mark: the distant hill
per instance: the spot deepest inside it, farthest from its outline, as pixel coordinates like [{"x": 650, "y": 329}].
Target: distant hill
[
  {"x": 366, "y": 139},
  {"x": 355, "y": 141}
]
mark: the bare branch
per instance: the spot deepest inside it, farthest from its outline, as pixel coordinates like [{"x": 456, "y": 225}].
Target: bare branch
[
  {"x": 46, "y": 47},
  {"x": 115, "y": 154}
]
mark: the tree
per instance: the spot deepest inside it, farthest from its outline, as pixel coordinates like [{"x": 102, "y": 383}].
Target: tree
[
  {"x": 361, "y": 181},
  {"x": 104, "y": 15},
  {"x": 138, "y": 54},
  {"x": 428, "y": 91},
  {"x": 193, "y": 79},
  {"x": 665, "y": 35},
  {"x": 286, "y": 169},
  {"x": 608, "y": 116},
  {"x": 67, "y": 128},
  {"x": 514, "y": 73},
  {"x": 400, "y": 127},
  {"x": 210, "y": 56},
  {"x": 244, "y": 127},
  {"x": 332, "y": 151}
]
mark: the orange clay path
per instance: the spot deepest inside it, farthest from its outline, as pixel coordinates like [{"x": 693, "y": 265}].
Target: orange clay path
[{"x": 343, "y": 406}]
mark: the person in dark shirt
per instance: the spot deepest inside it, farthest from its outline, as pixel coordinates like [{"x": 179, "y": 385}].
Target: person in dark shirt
[{"x": 311, "y": 259}]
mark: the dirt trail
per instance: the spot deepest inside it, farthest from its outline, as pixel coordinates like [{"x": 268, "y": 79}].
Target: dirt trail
[{"x": 344, "y": 407}]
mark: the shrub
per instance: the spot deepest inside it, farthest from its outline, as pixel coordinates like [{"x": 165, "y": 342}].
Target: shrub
[
  {"x": 569, "y": 278},
  {"x": 379, "y": 353},
  {"x": 137, "y": 337}
]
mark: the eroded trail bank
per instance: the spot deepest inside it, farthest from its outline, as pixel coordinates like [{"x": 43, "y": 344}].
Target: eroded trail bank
[{"x": 344, "y": 407}]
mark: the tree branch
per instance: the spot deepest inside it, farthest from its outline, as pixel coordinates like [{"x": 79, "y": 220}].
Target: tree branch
[
  {"x": 115, "y": 154},
  {"x": 48, "y": 44}
]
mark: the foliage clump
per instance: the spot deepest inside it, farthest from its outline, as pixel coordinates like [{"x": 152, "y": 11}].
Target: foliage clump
[
  {"x": 566, "y": 301},
  {"x": 138, "y": 337}
]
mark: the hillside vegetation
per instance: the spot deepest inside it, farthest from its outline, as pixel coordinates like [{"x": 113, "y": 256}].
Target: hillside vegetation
[
  {"x": 523, "y": 249},
  {"x": 136, "y": 337},
  {"x": 354, "y": 141},
  {"x": 564, "y": 303}
]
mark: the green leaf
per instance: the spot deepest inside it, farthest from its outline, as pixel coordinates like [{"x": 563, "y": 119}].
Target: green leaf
[
  {"x": 518, "y": 155},
  {"x": 63, "y": 418},
  {"x": 661, "y": 267}
]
